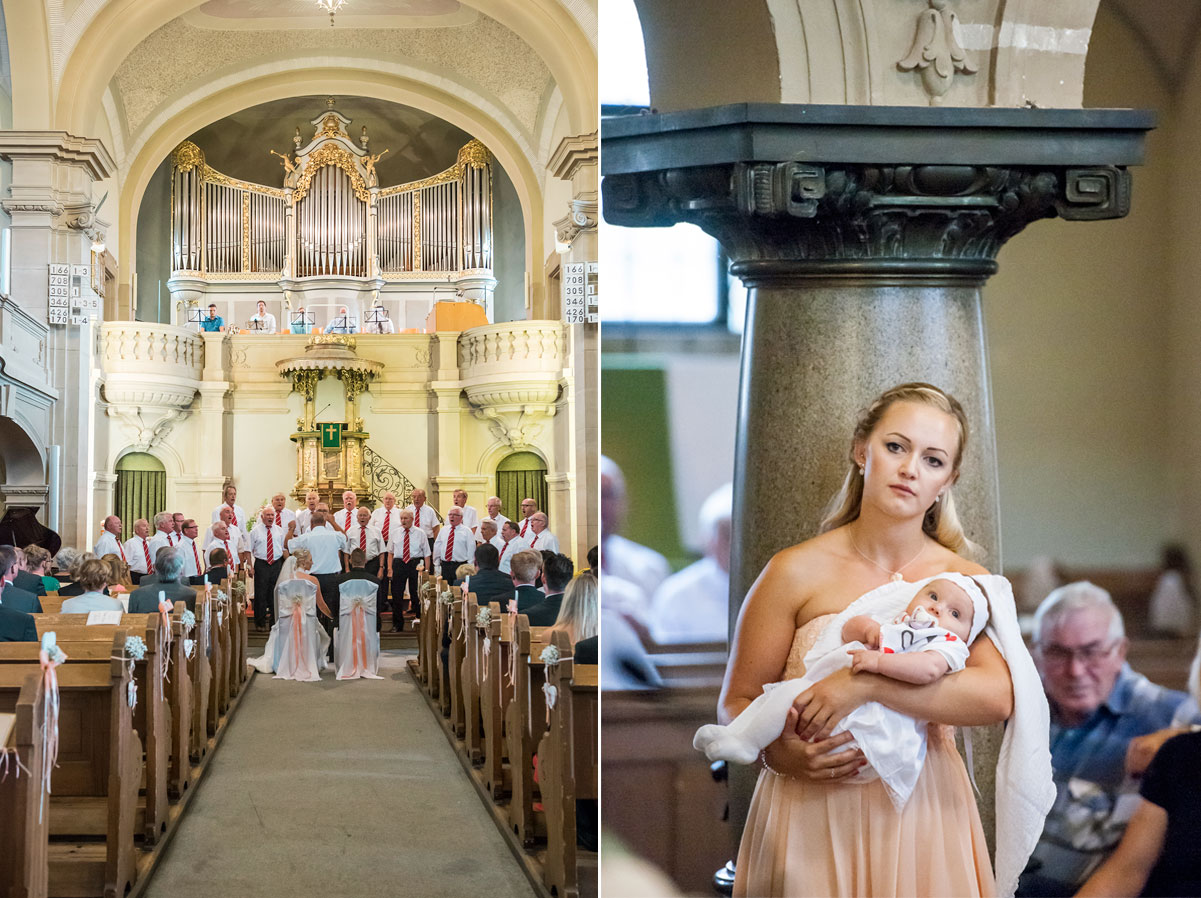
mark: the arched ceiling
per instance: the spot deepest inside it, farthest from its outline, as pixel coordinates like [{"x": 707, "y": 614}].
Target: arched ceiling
[
  {"x": 418, "y": 143},
  {"x": 1168, "y": 28}
]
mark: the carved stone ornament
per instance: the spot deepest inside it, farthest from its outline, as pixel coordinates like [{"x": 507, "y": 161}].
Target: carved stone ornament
[
  {"x": 581, "y": 217},
  {"x": 796, "y": 216},
  {"x": 149, "y": 428},
  {"x": 187, "y": 156},
  {"x": 936, "y": 51},
  {"x": 518, "y": 428}
]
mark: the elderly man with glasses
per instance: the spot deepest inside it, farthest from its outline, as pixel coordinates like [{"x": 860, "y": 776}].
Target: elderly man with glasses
[{"x": 1107, "y": 722}]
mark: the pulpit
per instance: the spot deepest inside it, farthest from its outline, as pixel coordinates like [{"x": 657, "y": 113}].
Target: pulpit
[{"x": 330, "y": 455}]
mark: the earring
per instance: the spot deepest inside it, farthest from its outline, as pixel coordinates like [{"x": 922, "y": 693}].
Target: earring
[
  {"x": 861, "y": 470},
  {"x": 938, "y": 498}
]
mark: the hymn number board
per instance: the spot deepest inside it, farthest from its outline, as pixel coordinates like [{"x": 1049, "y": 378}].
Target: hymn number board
[
  {"x": 70, "y": 295},
  {"x": 580, "y": 292}
]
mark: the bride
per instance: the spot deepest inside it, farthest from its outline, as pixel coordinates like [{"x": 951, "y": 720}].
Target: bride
[{"x": 297, "y": 646}]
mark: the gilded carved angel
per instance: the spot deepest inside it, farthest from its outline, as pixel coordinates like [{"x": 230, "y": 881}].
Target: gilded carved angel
[
  {"x": 936, "y": 51},
  {"x": 289, "y": 165},
  {"x": 369, "y": 164}
]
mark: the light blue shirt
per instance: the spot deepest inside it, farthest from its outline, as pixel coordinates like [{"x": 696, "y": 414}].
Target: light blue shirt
[{"x": 91, "y": 601}]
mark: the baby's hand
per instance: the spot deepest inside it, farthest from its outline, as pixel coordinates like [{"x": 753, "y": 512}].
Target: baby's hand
[
  {"x": 864, "y": 660},
  {"x": 871, "y": 635}
]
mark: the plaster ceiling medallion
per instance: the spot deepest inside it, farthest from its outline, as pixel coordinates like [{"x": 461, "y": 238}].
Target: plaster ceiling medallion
[{"x": 331, "y": 7}]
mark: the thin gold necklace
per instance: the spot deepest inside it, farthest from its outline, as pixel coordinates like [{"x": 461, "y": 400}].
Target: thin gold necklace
[{"x": 895, "y": 576}]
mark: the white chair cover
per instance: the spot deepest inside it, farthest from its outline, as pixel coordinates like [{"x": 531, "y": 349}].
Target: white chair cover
[
  {"x": 356, "y": 641},
  {"x": 300, "y": 643}
]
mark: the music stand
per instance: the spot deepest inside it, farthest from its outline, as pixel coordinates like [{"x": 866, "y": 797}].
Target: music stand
[
  {"x": 344, "y": 324},
  {"x": 377, "y": 316},
  {"x": 195, "y": 316},
  {"x": 304, "y": 321},
  {"x": 257, "y": 325}
]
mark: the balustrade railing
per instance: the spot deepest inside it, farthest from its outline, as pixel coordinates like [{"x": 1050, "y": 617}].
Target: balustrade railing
[
  {"x": 536, "y": 347},
  {"x": 136, "y": 347}
]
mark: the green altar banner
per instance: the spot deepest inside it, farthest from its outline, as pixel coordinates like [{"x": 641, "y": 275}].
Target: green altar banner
[{"x": 331, "y": 436}]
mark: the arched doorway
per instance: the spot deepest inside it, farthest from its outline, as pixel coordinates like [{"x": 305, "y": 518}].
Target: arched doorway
[
  {"x": 141, "y": 489},
  {"x": 521, "y": 475}
]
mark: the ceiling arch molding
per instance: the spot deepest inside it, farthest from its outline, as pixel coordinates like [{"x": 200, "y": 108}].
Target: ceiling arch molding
[
  {"x": 545, "y": 25},
  {"x": 345, "y": 82}
]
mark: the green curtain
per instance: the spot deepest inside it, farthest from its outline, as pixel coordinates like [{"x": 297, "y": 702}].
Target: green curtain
[
  {"x": 521, "y": 476},
  {"x": 140, "y": 494}
]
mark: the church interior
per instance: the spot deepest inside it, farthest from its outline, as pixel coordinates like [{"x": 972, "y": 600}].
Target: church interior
[
  {"x": 1088, "y": 331},
  {"x": 318, "y": 251}
]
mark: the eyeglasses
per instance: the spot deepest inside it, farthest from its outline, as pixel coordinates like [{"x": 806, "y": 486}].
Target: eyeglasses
[{"x": 1090, "y": 655}]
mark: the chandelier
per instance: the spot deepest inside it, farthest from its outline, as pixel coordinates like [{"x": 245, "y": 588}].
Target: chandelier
[{"x": 331, "y": 7}]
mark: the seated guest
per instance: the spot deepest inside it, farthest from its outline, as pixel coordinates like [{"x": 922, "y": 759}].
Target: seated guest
[
  {"x": 488, "y": 583},
  {"x": 10, "y": 594},
  {"x": 37, "y": 562},
  {"x": 694, "y": 604},
  {"x": 119, "y": 580},
  {"x": 25, "y": 579},
  {"x": 526, "y": 566},
  {"x": 1158, "y": 854},
  {"x": 218, "y": 569},
  {"x": 152, "y": 578},
  {"x": 579, "y": 613},
  {"x": 358, "y": 571},
  {"x": 557, "y": 571},
  {"x": 463, "y": 571},
  {"x": 93, "y": 576},
  {"x": 1107, "y": 722},
  {"x": 17, "y": 626},
  {"x": 73, "y": 588},
  {"x": 168, "y": 565}
]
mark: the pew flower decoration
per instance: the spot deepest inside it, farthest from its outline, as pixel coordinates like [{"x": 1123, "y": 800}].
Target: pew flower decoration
[
  {"x": 550, "y": 656},
  {"x": 188, "y": 619},
  {"x": 447, "y": 597},
  {"x": 135, "y": 650},
  {"x": 551, "y": 694},
  {"x": 50, "y": 656},
  {"x": 189, "y": 648},
  {"x": 483, "y": 617},
  {"x": 487, "y": 645}
]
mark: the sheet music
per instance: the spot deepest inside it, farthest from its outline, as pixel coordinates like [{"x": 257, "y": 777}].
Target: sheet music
[{"x": 103, "y": 618}]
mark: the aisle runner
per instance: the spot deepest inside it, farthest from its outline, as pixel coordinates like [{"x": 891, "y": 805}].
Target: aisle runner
[{"x": 337, "y": 788}]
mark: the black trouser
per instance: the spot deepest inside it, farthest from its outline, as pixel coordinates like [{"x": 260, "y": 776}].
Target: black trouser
[
  {"x": 329, "y": 592},
  {"x": 405, "y": 572},
  {"x": 135, "y": 577},
  {"x": 448, "y": 569},
  {"x": 379, "y": 570},
  {"x": 265, "y": 577}
]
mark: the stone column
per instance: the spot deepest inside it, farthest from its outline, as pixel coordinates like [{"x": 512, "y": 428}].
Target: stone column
[
  {"x": 575, "y": 160},
  {"x": 51, "y": 205},
  {"x": 865, "y": 270}
]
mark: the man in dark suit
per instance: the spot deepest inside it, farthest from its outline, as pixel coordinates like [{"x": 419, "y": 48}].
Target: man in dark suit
[
  {"x": 12, "y": 596},
  {"x": 488, "y": 583},
  {"x": 524, "y": 569},
  {"x": 17, "y": 626},
  {"x": 217, "y": 571},
  {"x": 358, "y": 571},
  {"x": 168, "y": 565},
  {"x": 557, "y": 573},
  {"x": 27, "y": 581}
]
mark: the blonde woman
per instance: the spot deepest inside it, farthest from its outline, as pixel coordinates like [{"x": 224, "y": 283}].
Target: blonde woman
[
  {"x": 120, "y": 580},
  {"x": 808, "y": 831},
  {"x": 295, "y": 567},
  {"x": 579, "y": 611},
  {"x": 37, "y": 562}
]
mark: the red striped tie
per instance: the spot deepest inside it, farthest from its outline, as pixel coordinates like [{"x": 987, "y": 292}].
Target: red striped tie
[
  {"x": 524, "y": 525},
  {"x": 270, "y": 547},
  {"x": 231, "y": 508},
  {"x": 363, "y": 538},
  {"x": 450, "y": 544},
  {"x": 502, "y": 548},
  {"x": 278, "y": 520},
  {"x": 229, "y": 559},
  {"x": 534, "y": 542},
  {"x": 196, "y": 555},
  {"x": 122, "y": 550},
  {"x": 406, "y": 555},
  {"x": 387, "y": 521},
  {"x": 146, "y": 551}
]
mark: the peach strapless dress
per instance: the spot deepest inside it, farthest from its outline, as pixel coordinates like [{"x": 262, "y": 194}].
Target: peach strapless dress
[{"x": 804, "y": 838}]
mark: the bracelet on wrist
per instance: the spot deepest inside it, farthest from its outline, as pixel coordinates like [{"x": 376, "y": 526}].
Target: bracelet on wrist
[{"x": 767, "y": 766}]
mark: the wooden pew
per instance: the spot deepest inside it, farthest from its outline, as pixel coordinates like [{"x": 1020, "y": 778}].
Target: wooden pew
[
  {"x": 496, "y": 692},
  {"x": 180, "y": 697},
  {"x": 472, "y": 674},
  {"x": 442, "y": 670},
  {"x": 93, "y": 811},
  {"x": 458, "y": 649},
  {"x": 525, "y": 722},
  {"x": 152, "y": 716},
  {"x": 201, "y": 675},
  {"x": 24, "y": 823},
  {"x": 568, "y": 756}
]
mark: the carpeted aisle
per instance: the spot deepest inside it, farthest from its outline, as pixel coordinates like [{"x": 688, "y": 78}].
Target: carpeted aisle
[{"x": 336, "y": 789}]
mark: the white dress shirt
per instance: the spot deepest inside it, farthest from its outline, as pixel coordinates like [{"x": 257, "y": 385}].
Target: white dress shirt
[
  {"x": 284, "y": 517},
  {"x": 135, "y": 553},
  {"x": 427, "y": 520},
  {"x": 191, "y": 558},
  {"x": 500, "y": 522},
  {"x": 462, "y": 550},
  {"x": 258, "y": 542},
  {"x": 516, "y": 544},
  {"x": 302, "y": 520},
  {"x": 693, "y": 605},
  {"x": 374, "y": 542},
  {"x": 160, "y": 539},
  {"x": 231, "y": 546},
  {"x": 393, "y": 517},
  {"x": 239, "y": 521},
  {"x": 524, "y": 527},
  {"x": 347, "y": 517},
  {"x": 419, "y": 544},
  {"x": 343, "y": 324},
  {"x": 471, "y": 517},
  {"x": 110, "y": 545},
  {"x": 624, "y": 558},
  {"x": 268, "y": 322},
  {"x": 542, "y": 542},
  {"x": 323, "y": 544}
]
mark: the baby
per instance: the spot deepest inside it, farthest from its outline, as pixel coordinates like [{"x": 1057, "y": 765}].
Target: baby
[{"x": 927, "y": 641}]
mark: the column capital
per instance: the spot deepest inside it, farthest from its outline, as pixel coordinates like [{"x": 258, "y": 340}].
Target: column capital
[
  {"x": 836, "y": 191},
  {"x": 59, "y": 146}
]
